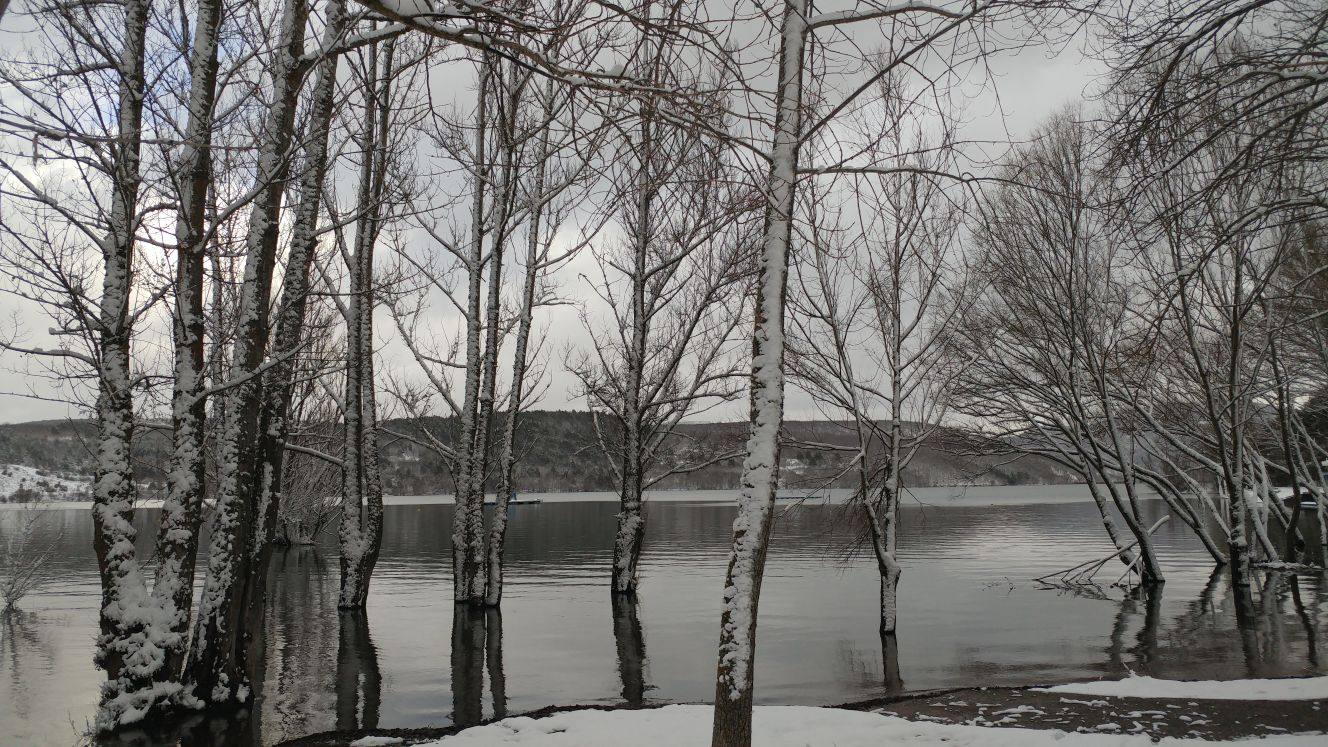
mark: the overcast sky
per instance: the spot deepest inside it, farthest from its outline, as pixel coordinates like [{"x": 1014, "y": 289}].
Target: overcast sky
[{"x": 1029, "y": 86}]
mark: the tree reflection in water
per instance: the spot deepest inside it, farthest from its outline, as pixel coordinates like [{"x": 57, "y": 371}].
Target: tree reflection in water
[
  {"x": 477, "y": 643},
  {"x": 493, "y": 656},
  {"x": 359, "y": 683},
  {"x": 631, "y": 643}
]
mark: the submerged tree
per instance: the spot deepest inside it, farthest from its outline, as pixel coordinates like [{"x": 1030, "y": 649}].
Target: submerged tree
[
  {"x": 913, "y": 32},
  {"x": 670, "y": 286},
  {"x": 874, "y": 305}
]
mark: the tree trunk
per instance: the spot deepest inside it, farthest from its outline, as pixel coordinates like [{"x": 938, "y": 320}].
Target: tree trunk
[
  {"x": 217, "y": 664},
  {"x": 362, "y": 507},
  {"x": 181, "y": 515},
  {"x": 128, "y": 645},
  {"x": 477, "y": 594},
  {"x": 278, "y": 384},
  {"x": 631, "y": 521},
  {"x": 468, "y": 518},
  {"x": 493, "y": 594},
  {"x": 893, "y": 681},
  {"x": 751, "y": 528}
]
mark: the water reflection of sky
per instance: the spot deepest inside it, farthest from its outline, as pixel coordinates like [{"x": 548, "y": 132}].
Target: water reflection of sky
[{"x": 969, "y": 616}]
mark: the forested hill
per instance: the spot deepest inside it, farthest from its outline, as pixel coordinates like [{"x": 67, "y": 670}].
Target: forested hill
[{"x": 558, "y": 453}]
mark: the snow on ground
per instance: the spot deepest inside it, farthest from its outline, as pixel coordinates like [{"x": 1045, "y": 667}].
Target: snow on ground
[
  {"x": 40, "y": 485},
  {"x": 793, "y": 726},
  {"x": 1308, "y": 688}
]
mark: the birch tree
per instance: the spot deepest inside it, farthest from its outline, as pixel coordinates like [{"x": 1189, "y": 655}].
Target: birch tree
[{"x": 913, "y": 29}]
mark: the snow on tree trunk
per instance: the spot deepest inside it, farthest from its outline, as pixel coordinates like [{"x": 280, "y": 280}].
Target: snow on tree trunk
[
  {"x": 278, "y": 385},
  {"x": 277, "y": 382},
  {"x": 493, "y": 593},
  {"x": 217, "y": 662},
  {"x": 631, "y": 521},
  {"x": 883, "y": 520},
  {"x": 362, "y": 501},
  {"x": 468, "y": 518},
  {"x": 751, "y": 528},
  {"x": 177, "y": 542},
  {"x": 131, "y": 646}
]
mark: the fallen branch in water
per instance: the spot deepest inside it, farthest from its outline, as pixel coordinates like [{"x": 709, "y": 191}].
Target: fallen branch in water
[{"x": 1083, "y": 573}]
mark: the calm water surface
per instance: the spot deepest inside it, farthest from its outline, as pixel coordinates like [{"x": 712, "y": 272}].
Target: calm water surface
[{"x": 969, "y": 616}]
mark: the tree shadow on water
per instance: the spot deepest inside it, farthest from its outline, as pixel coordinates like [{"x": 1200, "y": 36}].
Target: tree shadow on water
[
  {"x": 477, "y": 645},
  {"x": 631, "y": 645},
  {"x": 359, "y": 681}
]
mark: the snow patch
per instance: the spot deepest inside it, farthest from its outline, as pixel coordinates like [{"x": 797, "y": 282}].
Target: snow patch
[
  {"x": 791, "y": 726},
  {"x": 1307, "y": 688}
]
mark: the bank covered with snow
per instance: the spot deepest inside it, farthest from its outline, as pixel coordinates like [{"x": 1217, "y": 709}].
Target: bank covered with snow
[
  {"x": 1307, "y": 688},
  {"x": 794, "y": 726}
]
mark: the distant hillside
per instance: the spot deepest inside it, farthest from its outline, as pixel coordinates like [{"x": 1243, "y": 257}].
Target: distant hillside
[{"x": 558, "y": 453}]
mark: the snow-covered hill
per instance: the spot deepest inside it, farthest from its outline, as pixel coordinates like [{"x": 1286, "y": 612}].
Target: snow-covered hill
[{"x": 20, "y": 482}]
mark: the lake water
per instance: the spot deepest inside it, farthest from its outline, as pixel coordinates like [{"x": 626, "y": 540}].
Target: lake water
[{"x": 969, "y": 615}]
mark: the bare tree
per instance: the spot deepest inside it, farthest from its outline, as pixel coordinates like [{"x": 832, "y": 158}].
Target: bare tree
[
  {"x": 873, "y": 312},
  {"x": 1054, "y": 334},
  {"x": 25, "y": 554},
  {"x": 218, "y": 668},
  {"x": 913, "y": 30},
  {"x": 362, "y": 497},
  {"x": 522, "y": 151},
  {"x": 668, "y": 287},
  {"x": 1218, "y": 121}
]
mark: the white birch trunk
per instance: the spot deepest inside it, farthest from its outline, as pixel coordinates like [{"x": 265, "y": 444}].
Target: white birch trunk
[{"x": 751, "y": 528}]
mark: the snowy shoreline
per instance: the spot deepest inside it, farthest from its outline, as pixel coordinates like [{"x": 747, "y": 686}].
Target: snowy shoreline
[
  {"x": 1275, "y": 712},
  {"x": 1135, "y": 686},
  {"x": 788, "y": 726}
]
